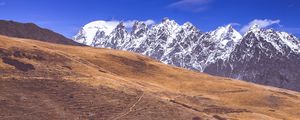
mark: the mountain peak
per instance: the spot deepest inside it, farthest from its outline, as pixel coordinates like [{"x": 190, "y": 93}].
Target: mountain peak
[
  {"x": 120, "y": 26},
  {"x": 138, "y": 25},
  {"x": 229, "y": 26},
  {"x": 189, "y": 26},
  {"x": 119, "y": 32},
  {"x": 226, "y": 32},
  {"x": 165, "y": 19},
  {"x": 139, "y": 28},
  {"x": 226, "y": 28},
  {"x": 88, "y": 32},
  {"x": 168, "y": 21},
  {"x": 105, "y": 26},
  {"x": 169, "y": 25},
  {"x": 254, "y": 27}
]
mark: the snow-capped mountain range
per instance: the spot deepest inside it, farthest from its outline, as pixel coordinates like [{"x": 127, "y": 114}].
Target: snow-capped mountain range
[{"x": 263, "y": 56}]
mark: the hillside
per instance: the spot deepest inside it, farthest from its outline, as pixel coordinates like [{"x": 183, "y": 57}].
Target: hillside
[
  {"x": 32, "y": 31},
  {"x": 223, "y": 52},
  {"x": 41, "y": 80}
]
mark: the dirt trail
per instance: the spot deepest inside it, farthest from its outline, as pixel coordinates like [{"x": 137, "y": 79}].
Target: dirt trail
[{"x": 130, "y": 109}]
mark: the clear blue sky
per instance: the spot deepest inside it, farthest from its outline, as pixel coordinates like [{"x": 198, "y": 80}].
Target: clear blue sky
[{"x": 67, "y": 16}]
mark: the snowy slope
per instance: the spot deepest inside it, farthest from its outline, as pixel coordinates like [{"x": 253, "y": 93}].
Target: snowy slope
[
  {"x": 223, "y": 51},
  {"x": 88, "y": 32},
  {"x": 263, "y": 56}
]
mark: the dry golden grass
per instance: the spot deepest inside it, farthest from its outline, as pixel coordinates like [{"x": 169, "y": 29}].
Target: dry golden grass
[{"x": 70, "y": 82}]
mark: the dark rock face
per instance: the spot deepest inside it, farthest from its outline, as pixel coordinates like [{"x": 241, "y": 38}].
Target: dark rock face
[
  {"x": 32, "y": 31},
  {"x": 18, "y": 64}
]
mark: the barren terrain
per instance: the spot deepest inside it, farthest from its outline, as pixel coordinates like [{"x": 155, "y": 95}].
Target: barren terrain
[{"x": 41, "y": 80}]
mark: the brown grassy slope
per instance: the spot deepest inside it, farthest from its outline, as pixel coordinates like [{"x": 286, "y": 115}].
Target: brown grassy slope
[
  {"x": 32, "y": 31},
  {"x": 49, "y": 81}
]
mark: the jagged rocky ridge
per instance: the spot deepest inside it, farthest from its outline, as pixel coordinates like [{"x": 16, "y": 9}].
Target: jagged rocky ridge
[{"x": 263, "y": 56}]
